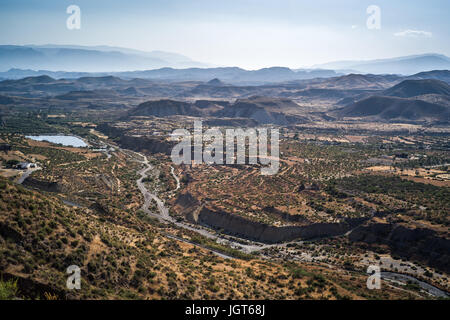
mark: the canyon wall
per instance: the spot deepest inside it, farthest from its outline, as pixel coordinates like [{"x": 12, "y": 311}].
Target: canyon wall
[
  {"x": 139, "y": 144},
  {"x": 242, "y": 227}
]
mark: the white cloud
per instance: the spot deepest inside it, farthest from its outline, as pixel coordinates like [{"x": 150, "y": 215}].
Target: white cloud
[{"x": 413, "y": 33}]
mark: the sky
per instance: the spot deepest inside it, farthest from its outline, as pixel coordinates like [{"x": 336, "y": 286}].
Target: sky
[{"x": 246, "y": 33}]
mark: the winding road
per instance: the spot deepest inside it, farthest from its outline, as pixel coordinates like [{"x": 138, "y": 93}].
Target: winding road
[
  {"x": 148, "y": 196},
  {"x": 164, "y": 211},
  {"x": 432, "y": 290},
  {"x": 172, "y": 171}
]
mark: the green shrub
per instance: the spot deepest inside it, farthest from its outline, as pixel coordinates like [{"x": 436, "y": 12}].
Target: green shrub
[{"x": 8, "y": 289}]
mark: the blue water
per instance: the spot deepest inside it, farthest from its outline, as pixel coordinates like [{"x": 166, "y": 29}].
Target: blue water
[{"x": 68, "y": 141}]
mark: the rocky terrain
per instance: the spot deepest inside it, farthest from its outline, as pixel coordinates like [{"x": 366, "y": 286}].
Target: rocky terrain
[{"x": 363, "y": 180}]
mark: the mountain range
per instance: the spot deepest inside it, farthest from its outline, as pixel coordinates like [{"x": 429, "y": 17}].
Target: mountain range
[
  {"x": 423, "y": 97},
  {"x": 413, "y": 88},
  {"x": 408, "y": 101},
  {"x": 397, "y": 109},
  {"x": 411, "y": 100},
  {"x": 260, "y": 110},
  {"x": 401, "y": 65},
  {"x": 69, "y": 61},
  {"x": 88, "y": 59},
  {"x": 232, "y": 75}
]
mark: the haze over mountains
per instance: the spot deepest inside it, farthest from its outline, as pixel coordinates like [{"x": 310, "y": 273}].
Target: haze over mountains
[
  {"x": 233, "y": 75},
  {"x": 70, "y": 61},
  {"x": 400, "y": 65},
  {"x": 88, "y": 59},
  {"x": 334, "y": 89}
]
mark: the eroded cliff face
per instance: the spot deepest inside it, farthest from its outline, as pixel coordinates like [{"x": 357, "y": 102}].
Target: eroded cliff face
[
  {"x": 418, "y": 244},
  {"x": 239, "y": 226},
  {"x": 187, "y": 206},
  {"x": 140, "y": 144},
  {"x": 146, "y": 144},
  {"x": 194, "y": 211}
]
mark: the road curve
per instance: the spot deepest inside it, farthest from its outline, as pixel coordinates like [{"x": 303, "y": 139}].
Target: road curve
[
  {"x": 164, "y": 211},
  {"x": 172, "y": 171}
]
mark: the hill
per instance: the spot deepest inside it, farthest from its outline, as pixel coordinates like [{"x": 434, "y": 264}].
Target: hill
[
  {"x": 412, "y": 88},
  {"x": 406, "y": 65},
  {"x": 124, "y": 255},
  {"x": 443, "y": 75},
  {"x": 215, "y": 82},
  {"x": 93, "y": 95},
  {"x": 164, "y": 108},
  {"x": 263, "y": 110},
  {"x": 359, "y": 81},
  {"x": 398, "y": 109}
]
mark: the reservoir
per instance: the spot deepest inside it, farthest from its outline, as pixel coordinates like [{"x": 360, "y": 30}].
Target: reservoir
[{"x": 68, "y": 141}]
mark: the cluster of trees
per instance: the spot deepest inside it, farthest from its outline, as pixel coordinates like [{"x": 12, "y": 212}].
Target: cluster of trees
[{"x": 435, "y": 200}]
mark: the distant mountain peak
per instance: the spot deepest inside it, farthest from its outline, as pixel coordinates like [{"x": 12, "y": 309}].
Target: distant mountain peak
[
  {"x": 215, "y": 82},
  {"x": 39, "y": 79},
  {"x": 406, "y": 65},
  {"x": 396, "y": 109},
  {"x": 413, "y": 88}
]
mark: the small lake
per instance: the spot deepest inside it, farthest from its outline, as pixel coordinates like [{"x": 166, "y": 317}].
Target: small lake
[{"x": 68, "y": 141}]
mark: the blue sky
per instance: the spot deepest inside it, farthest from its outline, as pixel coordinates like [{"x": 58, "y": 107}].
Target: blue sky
[{"x": 245, "y": 33}]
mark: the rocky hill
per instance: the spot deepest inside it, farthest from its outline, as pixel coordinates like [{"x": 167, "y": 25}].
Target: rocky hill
[
  {"x": 396, "y": 109},
  {"x": 263, "y": 110},
  {"x": 165, "y": 108},
  {"x": 413, "y": 88}
]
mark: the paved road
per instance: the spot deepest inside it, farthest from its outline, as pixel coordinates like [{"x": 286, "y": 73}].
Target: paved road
[
  {"x": 398, "y": 277},
  {"x": 26, "y": 174},
  {"x": 172, "y": 171},
  {"x": 165, "y": 217},
  {"x": 148, "y": 196}
]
